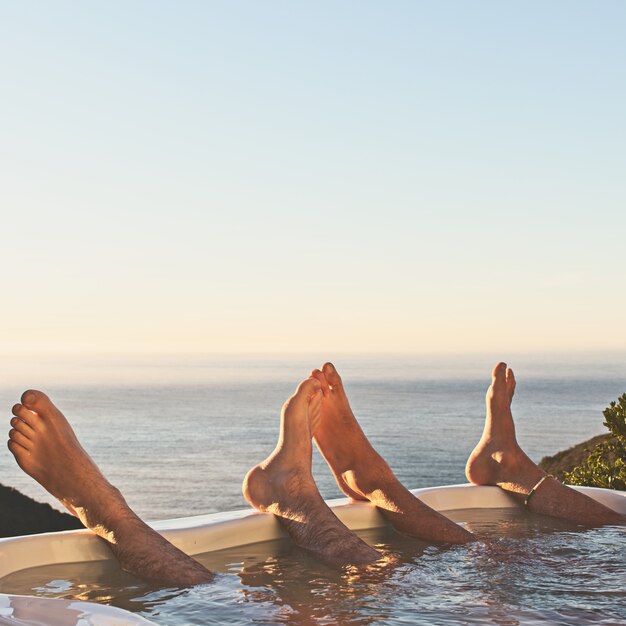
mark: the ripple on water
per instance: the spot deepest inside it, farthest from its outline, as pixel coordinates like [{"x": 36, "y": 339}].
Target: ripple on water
[{"x": 525, "y": 569}]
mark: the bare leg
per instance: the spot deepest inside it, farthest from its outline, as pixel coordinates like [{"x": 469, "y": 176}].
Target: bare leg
[
  {"x": 46, "y": 448},
  {"x": 498, "y": 460},
  {"x": 283, "y": 485},
  {"x": 363, "y": 474}
]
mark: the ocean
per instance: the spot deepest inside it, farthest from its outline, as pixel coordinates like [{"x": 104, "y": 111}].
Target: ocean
[{"x": 176, "y": 433}]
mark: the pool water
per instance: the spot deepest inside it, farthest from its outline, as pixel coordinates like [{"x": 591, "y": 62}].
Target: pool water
[{"x": 525, "y": 569}]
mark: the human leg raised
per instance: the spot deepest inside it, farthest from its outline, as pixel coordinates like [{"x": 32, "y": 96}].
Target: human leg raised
[
  {"x": 498, "y": 460},
  {"x": 363, "y": 474},
  {"x": 284, "y": 486},
  {"x": 46, "y": 448}
]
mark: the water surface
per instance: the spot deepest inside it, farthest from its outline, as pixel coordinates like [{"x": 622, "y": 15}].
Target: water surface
[{"x": 524, "y": 570}]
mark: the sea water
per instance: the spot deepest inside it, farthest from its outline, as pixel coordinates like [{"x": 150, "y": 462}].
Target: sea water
[
  {"x": 523, "y": 570},
  {"x": 176, "y": 433}
]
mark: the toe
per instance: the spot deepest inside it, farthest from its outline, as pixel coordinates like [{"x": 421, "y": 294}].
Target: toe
[
  {"x": 499, "y": 375},
  {"x": 319, "y": 375},
  {"x": 32, "y": 397},
  {"x": 29, "y": 417},
  {"x": 39, "y": 402},
  {"x": 333, "y": 378},
  {"x": 20, "y": 439},
  {"x": 308, "y": 387},
  {"x": 510, "y": 381},
  {"x": 21, "y": 426},
  {"x": 20, "y": 453}
]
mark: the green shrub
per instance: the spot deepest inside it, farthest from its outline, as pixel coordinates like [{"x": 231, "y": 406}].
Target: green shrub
[{"x": 606, "y": 464}]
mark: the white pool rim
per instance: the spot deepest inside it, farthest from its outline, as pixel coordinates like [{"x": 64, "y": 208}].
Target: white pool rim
[{"x": 218, "y": 531}]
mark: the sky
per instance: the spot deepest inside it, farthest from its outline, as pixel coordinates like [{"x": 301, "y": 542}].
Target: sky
[{"x": 294, "y": 176}]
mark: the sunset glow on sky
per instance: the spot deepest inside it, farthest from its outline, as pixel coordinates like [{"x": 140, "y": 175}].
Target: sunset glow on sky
[{"x": 287, "y": 177}]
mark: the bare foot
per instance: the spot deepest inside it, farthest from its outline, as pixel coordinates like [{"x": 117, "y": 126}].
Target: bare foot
[
  {"x": 363, "y": 474},
  {"x": 356, "y": 466},
  {"x": 272, "y": 485},
  {"x": 284, "y": 486},
  {"x": 46, "y": 448},
  {"x": 497, "y": 458}
]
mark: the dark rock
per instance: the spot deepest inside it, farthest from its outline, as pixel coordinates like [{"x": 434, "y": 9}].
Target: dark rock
[
  {"x": 567, "y": 460},
  {"x": 21, "y": 515}
]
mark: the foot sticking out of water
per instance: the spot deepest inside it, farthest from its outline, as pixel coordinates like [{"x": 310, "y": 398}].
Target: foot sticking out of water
[
  {"x": 46, "y": 448},
  {"x": 284, "y": 486},
  {"x": 362, "y": 474},
  {"x": 498, "y": 460}
]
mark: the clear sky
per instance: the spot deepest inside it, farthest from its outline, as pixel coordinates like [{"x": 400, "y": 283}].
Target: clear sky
[{"x": 296, "y": 176}]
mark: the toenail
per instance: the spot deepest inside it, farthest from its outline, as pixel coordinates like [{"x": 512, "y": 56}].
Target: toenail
[{"x": 29, "y": 398}]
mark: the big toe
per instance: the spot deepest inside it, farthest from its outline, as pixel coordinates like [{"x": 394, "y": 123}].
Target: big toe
[
  {"x": 39, "y": 402},
  {"x": 319, "y": 376},
  {"x": 331, "y": 374},
  {"x": 300, "y": 400},
  {"x": 307, "y": 388},
  {"x": 498, "y": 376}
]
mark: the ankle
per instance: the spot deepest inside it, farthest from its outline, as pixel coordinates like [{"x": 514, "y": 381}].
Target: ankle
[
  {"x": 518, "y": 469},
  {"x": 368, "y": 477}
]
